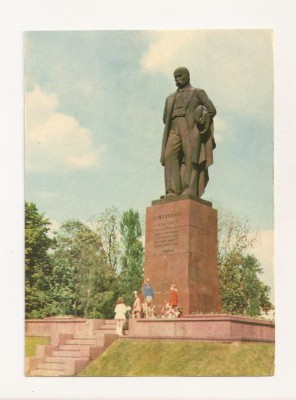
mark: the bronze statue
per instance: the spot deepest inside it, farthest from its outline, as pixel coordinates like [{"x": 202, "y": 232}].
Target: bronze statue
[{"x": 188, "y": 141}]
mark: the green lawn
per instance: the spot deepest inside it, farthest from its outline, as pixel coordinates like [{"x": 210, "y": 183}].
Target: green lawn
[
  {"x": 31, "y": 343},
  {"x": 181, "y": 358}
]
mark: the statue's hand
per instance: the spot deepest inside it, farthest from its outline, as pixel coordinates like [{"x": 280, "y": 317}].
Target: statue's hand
[
  {"x": 199, "y": 113},
  {"x": 202, "y": 119}
]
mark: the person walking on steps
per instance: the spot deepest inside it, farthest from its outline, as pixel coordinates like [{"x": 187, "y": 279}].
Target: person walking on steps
[{"x": 120, "y": 316}]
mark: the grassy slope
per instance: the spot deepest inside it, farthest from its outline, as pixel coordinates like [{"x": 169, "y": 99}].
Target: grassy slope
[
  {"x": 180, "y": 358},
  {"x": 31, "y": 343}
]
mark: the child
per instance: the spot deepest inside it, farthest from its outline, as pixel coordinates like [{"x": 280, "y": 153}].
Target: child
[
  {"x": 120, "y": 311},
  {"x": 165, "y": 311},
  {"x": 174, "y": 297},
  {"x": 137, "y": 306},
  {"x": 148, "y": 296}
]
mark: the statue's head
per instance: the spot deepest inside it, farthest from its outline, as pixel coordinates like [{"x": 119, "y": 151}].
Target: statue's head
[{"x": 182, "y": 77}]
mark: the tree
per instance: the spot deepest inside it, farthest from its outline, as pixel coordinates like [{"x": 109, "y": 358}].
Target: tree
[
  {"x": 37, "y": 263},
  {"x": 65, "y": 269},
  {"x": 132, "y": 268},
  {"x": 242, "y": 292},
  {"x": 235, "y": 235},
  {"x": 83, "y": 281},
  {"x": 256, "y": 292},
  {"x": 106, "y": 226},
  {"x": 241, "y": 289}
]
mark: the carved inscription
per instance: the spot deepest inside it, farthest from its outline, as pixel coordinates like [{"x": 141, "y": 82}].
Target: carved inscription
[
  {"x": 167, "y": 240},
  {"x": 168, "y": 220}
]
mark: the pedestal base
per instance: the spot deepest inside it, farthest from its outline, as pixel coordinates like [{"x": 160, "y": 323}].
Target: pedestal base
[
  {"x": 221, "y": 328},
  {"x": 181, "y": 248}
]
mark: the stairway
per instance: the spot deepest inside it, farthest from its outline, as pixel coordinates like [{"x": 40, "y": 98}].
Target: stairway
[{"x": 75, "y": 351}]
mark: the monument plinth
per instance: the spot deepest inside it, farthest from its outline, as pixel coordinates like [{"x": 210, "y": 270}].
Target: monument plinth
[{"x": 181, "y": 248}]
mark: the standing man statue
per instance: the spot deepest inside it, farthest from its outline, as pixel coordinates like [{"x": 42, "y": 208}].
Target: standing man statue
[{"x": 188, "y": 141}]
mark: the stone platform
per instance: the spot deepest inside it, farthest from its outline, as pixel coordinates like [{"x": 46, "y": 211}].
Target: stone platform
[{"x": 222, "y": 328}]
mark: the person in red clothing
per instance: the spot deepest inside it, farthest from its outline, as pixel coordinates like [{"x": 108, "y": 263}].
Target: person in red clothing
[{"x": 174, "y": 297}]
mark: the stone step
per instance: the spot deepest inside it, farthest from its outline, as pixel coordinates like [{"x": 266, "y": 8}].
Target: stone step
[
  {"x": 68, "y": 347},
  {"x": 84, "y": 341},
  {"x": 48, "y": 372},
  {"x": 84, "y": 336},
  {"x": 106, "y": 327},
  {"x": 76, "y": 351},
  {"x": 53, "y": 366},
  {"x": 61, "y": 360},
  {"x": 66, "y": 353},
  {"x": 105, "y": 331},
  {"x": 67, "y": 364}
]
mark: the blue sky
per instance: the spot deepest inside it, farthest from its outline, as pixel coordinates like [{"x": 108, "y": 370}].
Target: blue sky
[
  {"x": 94, "y": 103},
  {"x": 234, "y": 71}
]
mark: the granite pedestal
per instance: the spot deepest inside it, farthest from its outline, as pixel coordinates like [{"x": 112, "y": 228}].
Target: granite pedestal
[{"x": 181, "y": 248}]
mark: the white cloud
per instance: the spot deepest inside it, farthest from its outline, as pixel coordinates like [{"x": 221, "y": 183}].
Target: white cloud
[
  {"x": 223, "y": 129},
  {"x": 233, "y": 66},
  {"x": 55, "y": 140},
  {"x": 168, "y": 46},
  {"x": 264, "y": 251}
]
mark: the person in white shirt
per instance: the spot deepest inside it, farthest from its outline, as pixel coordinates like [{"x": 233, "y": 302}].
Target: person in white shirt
[{"x": 120, "y": 316}]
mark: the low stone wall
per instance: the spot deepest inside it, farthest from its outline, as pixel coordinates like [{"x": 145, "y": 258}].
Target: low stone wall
[
  {"x": 55, "y": 326},
  {"x": 208, "y": 327}
]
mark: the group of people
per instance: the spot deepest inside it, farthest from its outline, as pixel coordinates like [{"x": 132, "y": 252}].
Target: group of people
[{"x": 146, "y": 310}]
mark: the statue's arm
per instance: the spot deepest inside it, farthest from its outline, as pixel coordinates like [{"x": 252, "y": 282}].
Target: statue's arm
[{"x": 205, "y": 101}]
